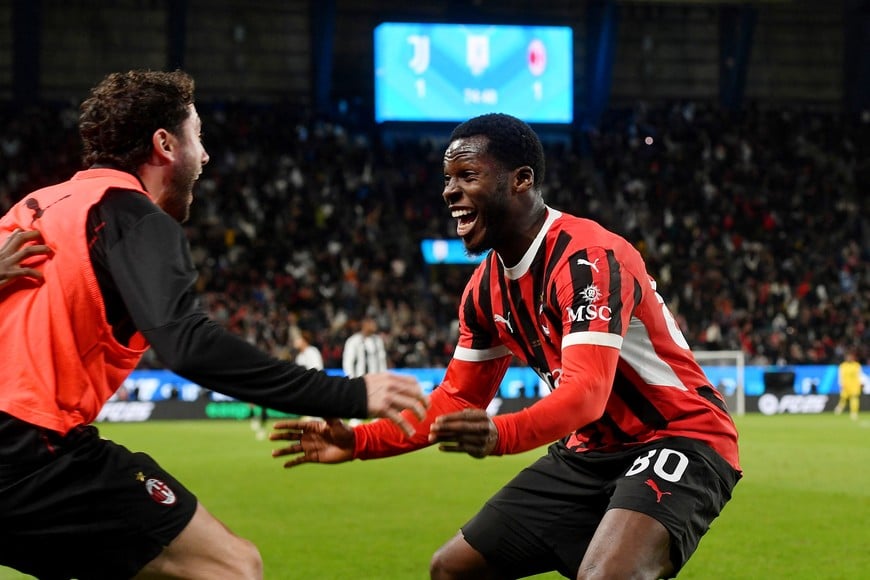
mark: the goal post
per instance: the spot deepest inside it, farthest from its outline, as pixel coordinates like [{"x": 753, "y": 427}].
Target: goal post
[{"x": 726, "y": 369}]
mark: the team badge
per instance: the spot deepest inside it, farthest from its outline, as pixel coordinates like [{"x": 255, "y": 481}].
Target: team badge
[{"x": 160, "y": 492}]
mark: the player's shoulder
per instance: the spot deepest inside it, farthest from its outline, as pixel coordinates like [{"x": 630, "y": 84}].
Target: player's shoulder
[
  {"x": 126, "y": 205},
  {"x": 582, "y": 230},
  {"x": 583, "y": 241},
  {"x": 582, "y": 234}
]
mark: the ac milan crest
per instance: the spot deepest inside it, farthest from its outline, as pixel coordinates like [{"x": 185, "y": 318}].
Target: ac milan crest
[
  {"x": 537, "y": 57},
  {"x": 160, "y": 492}
]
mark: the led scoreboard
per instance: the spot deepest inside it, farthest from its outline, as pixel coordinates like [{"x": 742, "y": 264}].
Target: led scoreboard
[{"x": 451, "y": 72}]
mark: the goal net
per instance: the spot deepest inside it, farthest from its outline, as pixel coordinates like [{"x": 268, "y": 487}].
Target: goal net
[{"x": 726, "y": 369}]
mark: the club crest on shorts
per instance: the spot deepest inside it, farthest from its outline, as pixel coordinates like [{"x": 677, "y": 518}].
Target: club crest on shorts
[{"x": 160, "y": 492}]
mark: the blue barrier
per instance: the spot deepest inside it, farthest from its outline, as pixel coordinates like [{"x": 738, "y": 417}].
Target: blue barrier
[{"x": 519, "y": 382}]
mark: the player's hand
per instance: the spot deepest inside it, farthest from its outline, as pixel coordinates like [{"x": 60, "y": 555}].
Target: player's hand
[
  {"x": 329, "y": 441},
  {"x": 19, "y": 246},
  {"x": 388, "y": 394},
  {"x": 470, "y": 431}
]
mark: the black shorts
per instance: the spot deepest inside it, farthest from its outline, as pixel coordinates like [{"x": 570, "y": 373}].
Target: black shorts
[
  {"x": 546, "y": 516},
  {"x": 78, "y": 506}
]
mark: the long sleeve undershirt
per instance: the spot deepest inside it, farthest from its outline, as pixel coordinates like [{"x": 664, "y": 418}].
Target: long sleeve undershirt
[{"x": 146, "y": 274}]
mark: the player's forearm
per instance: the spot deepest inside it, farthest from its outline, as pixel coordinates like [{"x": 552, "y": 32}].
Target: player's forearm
[
  {"x": 466, "y": 385},
  {"x": 202, "y": 351},
  {"x": 550, "y": 419},
  {"x": 383, "y": 438},
  {"x": 579, "y": 400}
]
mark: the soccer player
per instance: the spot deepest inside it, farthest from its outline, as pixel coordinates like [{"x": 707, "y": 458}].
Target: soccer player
[
  {"x": 121, "y": 278},
  {"x": 849, "y": 376},
  {"x": 16, "y": 254},
  {"x": 364, "y": 350},
  {"x": 645, "y": 454}
]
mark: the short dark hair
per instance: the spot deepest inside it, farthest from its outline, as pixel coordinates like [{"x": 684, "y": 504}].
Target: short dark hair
[
  {"x": 122, "y": 112},
  {"x": 511, "y": 141}
]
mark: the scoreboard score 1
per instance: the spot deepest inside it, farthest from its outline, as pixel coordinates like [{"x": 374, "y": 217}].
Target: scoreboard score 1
[{"x": 452, "y": 72}]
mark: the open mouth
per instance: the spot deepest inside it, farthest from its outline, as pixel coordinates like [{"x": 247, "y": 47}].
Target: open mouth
[{"x": 465, "y": 220}]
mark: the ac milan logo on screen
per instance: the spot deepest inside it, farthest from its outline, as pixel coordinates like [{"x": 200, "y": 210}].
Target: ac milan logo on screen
[
  {"x": 537, "y": 55},
  {"x": 160, "y": 492}
]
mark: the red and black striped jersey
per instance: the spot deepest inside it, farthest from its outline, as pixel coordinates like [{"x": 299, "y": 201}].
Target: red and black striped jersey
[
  {"x": 582, "y": 311},
  {"x": 581, "y": 285}
]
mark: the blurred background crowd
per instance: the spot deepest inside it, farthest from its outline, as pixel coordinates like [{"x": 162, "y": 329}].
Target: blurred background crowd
[{"x": 755, "y": 224}]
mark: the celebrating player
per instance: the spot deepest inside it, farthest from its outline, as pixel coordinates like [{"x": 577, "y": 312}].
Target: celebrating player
[
  {"x": 646, "y": 454},
  {"x": 122, "y": 278}
]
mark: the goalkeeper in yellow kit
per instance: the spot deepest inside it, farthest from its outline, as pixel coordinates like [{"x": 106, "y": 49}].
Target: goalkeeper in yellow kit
[{"x": 850, "y": 385}]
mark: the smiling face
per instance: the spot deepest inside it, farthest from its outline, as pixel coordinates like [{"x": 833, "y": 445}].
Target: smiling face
[{"x": 477, "y": 190}]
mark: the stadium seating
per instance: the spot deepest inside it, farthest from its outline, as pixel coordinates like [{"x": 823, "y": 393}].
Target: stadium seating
[{"x": 753, "y": 223}]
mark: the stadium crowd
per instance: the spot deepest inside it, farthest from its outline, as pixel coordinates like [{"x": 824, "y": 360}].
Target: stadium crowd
[{"x": 755, "y": 225}]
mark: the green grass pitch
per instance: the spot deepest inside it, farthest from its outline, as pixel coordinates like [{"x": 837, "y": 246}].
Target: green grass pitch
[{"x": 802, "y": 510}]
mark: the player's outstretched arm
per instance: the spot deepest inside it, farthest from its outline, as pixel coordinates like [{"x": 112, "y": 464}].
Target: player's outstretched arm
[
  {"x": 329, "y": 441},
  {"x": 388, "y": 394},
  {"x": 17, "y": 247}
]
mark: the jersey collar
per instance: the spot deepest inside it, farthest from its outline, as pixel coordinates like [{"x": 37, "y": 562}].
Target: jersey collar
[{"x": 515, "y": 272}]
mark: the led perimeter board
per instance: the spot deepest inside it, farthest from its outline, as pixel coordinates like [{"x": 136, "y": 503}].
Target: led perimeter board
[{"x": 452, "y": 72}]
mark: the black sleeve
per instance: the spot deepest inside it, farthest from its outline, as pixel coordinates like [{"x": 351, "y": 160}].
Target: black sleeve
[{"x": 148, "y": 263}]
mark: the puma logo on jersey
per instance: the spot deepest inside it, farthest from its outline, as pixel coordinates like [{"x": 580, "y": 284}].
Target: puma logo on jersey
[
  {"x": 505, "y": 321},
  {"x": 33, "y": 205},
  {"x": 593, "y": 265}
]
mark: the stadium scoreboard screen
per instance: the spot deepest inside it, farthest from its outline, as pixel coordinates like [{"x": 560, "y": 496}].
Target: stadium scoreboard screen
[{"x": 452, "y": 72}]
